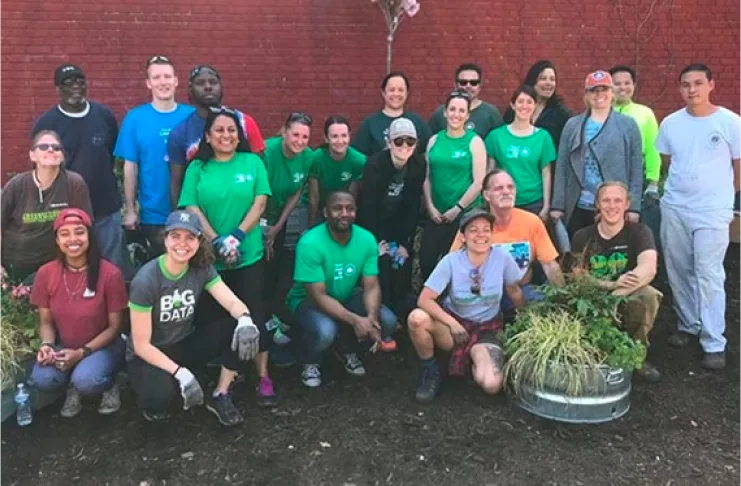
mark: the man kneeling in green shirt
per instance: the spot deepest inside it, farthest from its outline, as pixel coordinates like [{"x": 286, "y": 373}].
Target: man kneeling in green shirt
[{"x": 331, "y": 258}]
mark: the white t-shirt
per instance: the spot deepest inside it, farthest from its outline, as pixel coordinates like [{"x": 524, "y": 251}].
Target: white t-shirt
[{"x": 701, "y": 150}]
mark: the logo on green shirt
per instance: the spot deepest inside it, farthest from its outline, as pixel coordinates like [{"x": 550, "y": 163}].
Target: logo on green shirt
[
  {"x": 342, "y": 270},
  {"x": 610, "y": 266},
  {"x": 241, "y": 178}
]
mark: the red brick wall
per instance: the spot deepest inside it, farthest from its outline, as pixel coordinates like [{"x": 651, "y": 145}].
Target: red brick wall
[{"x": 325, "y": 56}]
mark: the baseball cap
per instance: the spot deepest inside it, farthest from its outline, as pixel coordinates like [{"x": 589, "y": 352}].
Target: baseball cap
[
  {"x": 475, "y": 214},
  {"x": 402, "y": 127},
  {"x": 184, "y": 220},
  {"x": 67, "y": 71},
  {"x": 72, "y": 215},
  {"x": 598, "y": 78}
]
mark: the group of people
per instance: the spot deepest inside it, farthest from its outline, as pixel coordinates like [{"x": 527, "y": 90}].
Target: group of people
[{"x": 224, "y": 211}]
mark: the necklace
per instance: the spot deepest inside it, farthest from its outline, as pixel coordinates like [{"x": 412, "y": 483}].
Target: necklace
[{"x": 78, "y": 288}]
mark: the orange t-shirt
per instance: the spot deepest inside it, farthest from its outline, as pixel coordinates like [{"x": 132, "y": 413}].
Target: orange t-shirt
[{"x": 525, "y": 237}]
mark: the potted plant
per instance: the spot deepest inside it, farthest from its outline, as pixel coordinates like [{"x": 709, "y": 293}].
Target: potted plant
[{"x": 568, "y": 359}]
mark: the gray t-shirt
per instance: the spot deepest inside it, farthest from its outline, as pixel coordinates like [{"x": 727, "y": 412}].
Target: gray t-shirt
[
  {"x": 454, "y": 277},
  {"x": 170, "y": 298},
  {"x": 483, "y": 119}
]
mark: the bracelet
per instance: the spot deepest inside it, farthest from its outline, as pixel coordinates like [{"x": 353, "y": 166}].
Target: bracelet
[
  {"x": 176, "y": 371},
  {"x": 51, "y": 345},
  {"x": 239, "y": 234},
  {"x": 86, "y": 351},
  {"x": 458, "y": 205}
]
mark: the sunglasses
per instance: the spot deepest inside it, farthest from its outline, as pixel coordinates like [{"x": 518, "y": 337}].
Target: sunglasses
[
  {"x": 410, "y": 141},
  {"x": 44, "y": 147},
  {"x": 476, "y": 281},
  {"x": 158, "y": 60},
  {"x": 218, "y": 110},
  {"x": 465, "y": 82},
  {"x": 300, "y": 117}
]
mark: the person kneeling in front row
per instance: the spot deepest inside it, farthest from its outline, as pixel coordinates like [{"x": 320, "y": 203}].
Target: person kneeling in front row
[
  {"x": 165, "y": 341},
  {"x": 471, "y": 280},
  {"x": 331, "y": 258}
]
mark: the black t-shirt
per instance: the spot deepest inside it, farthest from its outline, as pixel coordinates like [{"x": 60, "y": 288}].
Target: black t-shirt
[
  {"x": 88, "y": 145},
  {"x": 394, "y": 193},
  {"x": 611, "y": 258}
]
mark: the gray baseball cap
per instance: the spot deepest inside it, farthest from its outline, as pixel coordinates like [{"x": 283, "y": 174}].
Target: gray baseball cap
[
  {"x": 473, "y": 215},
  {"x": 402, "y": 127},
  {"x": 184, "y": 220}
]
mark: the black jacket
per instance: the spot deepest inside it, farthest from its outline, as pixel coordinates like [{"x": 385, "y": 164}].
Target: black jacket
[
  {"x": 376, "y": 178},
  {"x": 552, "y": 119}
]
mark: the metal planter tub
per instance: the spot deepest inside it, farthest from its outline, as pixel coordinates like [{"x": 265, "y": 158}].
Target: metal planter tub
[{"x": 605, "y": 396}]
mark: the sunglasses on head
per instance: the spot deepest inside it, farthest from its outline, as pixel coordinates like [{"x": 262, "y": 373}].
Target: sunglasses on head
[
  {"x": 218, "y": 110},
  {"x": 158, "y": 60},
  {"x": 48, "y": 146},
  {"x": 300, "y": 117},
  {"x": 476, "y": 281},
  {"x": 472, "y": 82},
  {"x": 410, "y": 141}
]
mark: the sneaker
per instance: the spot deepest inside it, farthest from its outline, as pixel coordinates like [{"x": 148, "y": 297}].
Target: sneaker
[
  {"x": 265, "y": 394},
  {"x": 387, "y": 346},
  {"x": 649, "y": 373},
  {"x": 353, "y": 365},
  {"x": 110, "y": 402},
  {"x": 679, "y": 339},
  {"x": 150, "y": 416},
  {"x": 714, "y": 361},
  {"x": 222, "y": 406},
  {"x": 429, "y": 385},
  {"x": 72, "y": 403},
  {"x": 311, "y": 376}
]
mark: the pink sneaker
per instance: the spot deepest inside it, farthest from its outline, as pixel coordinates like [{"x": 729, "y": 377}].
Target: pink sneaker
[{"x": 265, "y": 393}]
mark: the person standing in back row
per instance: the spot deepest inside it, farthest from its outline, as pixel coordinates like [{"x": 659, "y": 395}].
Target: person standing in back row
[
  {"x": 484, "y": 116},
  {"x": 88, "y": 131},
  {"x": 701, "y": 145},
  {"x": 206, "y": 91},
  {"x": 142, "y": 144}
]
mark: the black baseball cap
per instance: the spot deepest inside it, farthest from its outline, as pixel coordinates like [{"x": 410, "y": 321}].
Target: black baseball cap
[
  {"x": 473, "y": 215},
  {"x": 67, "y": 71}
]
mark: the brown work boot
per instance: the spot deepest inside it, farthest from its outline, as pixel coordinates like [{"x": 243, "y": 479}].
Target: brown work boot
[
  {"x": 679, "y": 339},
  {"x": 714, "y": 361},
  {"x": 649, "y": 373}
]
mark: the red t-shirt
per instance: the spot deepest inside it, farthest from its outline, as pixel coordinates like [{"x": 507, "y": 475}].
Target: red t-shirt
[{"x": 79, "y": 318}]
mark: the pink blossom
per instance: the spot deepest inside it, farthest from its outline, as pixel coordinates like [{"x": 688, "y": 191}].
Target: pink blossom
[{"x": 411, "y": 7}]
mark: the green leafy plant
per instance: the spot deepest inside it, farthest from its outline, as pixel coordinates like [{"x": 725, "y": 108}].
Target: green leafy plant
[{"x": 18, "y": 336}]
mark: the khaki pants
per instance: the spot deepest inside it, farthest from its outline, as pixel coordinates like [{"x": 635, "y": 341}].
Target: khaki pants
[{"x": 639, "y": 313}]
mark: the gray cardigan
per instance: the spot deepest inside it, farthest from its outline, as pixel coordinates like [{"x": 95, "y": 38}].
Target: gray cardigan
[{"x": 619, "y": 153}]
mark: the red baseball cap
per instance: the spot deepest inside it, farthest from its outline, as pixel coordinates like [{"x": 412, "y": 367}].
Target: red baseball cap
[
  {"x": 598, "y": 78},
  {"x": 72, "y": 215}
]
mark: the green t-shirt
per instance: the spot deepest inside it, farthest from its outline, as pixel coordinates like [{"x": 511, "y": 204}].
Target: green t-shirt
[
  {"x": 372, "y": 136},
  {"x": 334, "y": 175},
  {"x": 286, "y": 176},
  {"x": 225, "y": 192},
  {"x": 451, "y": 169},
  {"x": 524, "y": 158},
  {"x": 483, "y": 119},
  {"x": 319, "y": 258}
]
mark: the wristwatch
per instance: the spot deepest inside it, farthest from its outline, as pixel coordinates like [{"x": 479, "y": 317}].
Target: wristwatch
[{"x": 86, "y": 351}]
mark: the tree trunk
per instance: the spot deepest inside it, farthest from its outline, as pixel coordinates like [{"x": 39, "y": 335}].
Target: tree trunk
[{"x": 389, "y": 47}]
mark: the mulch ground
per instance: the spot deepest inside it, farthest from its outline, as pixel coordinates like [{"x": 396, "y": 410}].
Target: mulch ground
[{"x": 369, "y": 431}]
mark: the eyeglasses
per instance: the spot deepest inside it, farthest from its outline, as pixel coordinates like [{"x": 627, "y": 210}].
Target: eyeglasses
[
  {"x": 44, "y": 147},
  {"x": 218, "y": 110},
  {"x": 410, "y": 141},
  {"x": 472, "y": 82},
  {"x": 158, "y": 60},
  {"x": 300, "y": 117},
  {"x": 476, "y": 284}
]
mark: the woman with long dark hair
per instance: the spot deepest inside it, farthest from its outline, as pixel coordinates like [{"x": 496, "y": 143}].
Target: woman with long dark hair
[
  {"x": 81, "y": 298},
  {"x": 228, "y": 188},
  {"x": 550, "y": 112},
  {"x": 30, "y": 202}
]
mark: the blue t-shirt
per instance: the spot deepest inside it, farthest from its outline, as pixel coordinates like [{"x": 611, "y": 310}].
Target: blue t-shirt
[
  {"x": 592, "y": 176},
  {"x": 88, "y": 141},
  {"x": 453, "y": 278},
  {"x": 143, "y": 141}
]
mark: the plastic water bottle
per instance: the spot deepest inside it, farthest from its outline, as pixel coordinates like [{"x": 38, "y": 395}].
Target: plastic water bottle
[{"x": 23, "y": 406}]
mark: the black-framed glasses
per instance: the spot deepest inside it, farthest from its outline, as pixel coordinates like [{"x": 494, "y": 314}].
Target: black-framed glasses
[
  {"x": 465, "y": 82},
  {"x": 475, "y": 281},
  {"x": 298, "y": 116},
  {"x": 44, "y": 147},
  {"x": 218, "y": 110},
  {"x": 410, "y": 141},
  {"x": 158, "y": 60}
]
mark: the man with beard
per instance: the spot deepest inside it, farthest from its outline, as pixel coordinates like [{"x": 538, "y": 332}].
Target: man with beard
[
  {"x": 88, "y": 131},
  {"x": 484, "y": 116},
  {"x": 142, "y": 144},
  {"x": 331, "y": 259},
  {"x": 206, "y": 91}
]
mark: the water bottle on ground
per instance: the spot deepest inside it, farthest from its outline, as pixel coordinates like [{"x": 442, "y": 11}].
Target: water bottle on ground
[{"x": 23, "y": 405}]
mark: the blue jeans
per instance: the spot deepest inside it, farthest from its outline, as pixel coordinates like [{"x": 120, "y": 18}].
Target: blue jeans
[
  {"x": 110, "y": 238},
  {"x": 92, "y": 375},
  {"x": 319, "y": 331}
]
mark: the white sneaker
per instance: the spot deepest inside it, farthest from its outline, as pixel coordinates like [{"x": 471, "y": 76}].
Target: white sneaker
[
  {"x": 353, "y": 365},
  {"x": 72, "y": 403},
  {"x": 311, "y": 376},
  {"x": 110, "y": 402}
]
